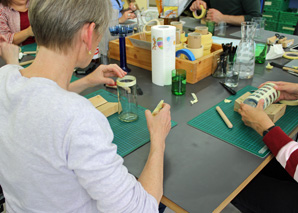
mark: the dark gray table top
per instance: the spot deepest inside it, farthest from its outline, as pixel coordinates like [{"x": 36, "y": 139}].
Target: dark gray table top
[{"x": 200, "y": 170}]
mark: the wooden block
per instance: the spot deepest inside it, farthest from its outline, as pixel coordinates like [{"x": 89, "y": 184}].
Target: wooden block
[
  {"x": 108, "y": 108},
  {"x": 280, "y": 41},
  {"x": 97, "y": 100},
  {"x": 271, "y": 40},
  {"x": 105, "y": 107},
  {"x": 240, "y": 100},
  {"x": 287, "y": 43},
  {"x": 274, "y": 111}
]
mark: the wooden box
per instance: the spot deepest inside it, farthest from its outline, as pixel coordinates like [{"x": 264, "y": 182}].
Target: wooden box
[{"x": 196, "y": 70}]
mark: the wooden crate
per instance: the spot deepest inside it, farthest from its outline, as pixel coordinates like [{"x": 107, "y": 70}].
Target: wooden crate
[{"x": 196, "y": 70}]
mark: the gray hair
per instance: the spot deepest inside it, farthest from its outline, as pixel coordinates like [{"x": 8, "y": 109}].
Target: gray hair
[{"x": 56, "y": 22}]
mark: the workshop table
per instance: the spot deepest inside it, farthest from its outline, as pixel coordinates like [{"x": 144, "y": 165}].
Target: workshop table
[{"x": 201, "y": 172}]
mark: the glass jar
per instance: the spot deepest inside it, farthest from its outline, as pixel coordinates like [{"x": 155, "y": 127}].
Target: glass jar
[
  {"x": 245, "y": 54},
  {"x": 127, "y": 98}
]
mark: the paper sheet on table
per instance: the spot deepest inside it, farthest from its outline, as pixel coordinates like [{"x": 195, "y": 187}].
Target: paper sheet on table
[
  {"x": 220, "y": 40},
  {"x": 275, "y": 51}
]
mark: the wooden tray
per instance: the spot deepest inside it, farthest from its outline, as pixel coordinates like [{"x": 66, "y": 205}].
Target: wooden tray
[{"x": 195, "y": 70}]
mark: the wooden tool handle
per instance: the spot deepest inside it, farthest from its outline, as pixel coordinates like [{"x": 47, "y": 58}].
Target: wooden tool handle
[
  {"x": 224, "y": 117},
  {"x": 26, "y": 62},
  {"x": 29, "y": 52},
  {"x": 291, "y": 69}
]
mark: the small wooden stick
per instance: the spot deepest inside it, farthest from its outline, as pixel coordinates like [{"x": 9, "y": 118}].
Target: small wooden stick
[
  {"x": 224, "y": 117},
  {"x": 158, "y": 108},
  {"x": 29, "y": 52},
  {"x": 26, "y": 62}
]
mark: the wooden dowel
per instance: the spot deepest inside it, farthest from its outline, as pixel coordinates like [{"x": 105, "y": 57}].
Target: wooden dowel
[
  {"x": 29, "y": 52},
  {"x": 291, "y": 69},
  {"x": 224, "y": 117},
  {"x": 26, "y": 62}
]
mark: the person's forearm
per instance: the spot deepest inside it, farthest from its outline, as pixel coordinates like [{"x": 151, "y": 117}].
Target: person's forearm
[
  {"x": 284, "y": 149},
  {"x": 12, "y": 61},
  {"x": 234, "y": 20},
  {"x": 21, "y": 36},
  {"x": 79, "y": 85},
  {"x": 151, "y": 177}
]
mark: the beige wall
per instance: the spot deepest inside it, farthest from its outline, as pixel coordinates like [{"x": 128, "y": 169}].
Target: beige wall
[{"x": 141, "y": 3}]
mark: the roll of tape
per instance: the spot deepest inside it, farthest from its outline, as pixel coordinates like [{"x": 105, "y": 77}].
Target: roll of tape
[
  {"x": 291, "y": 55},
  {"x": 177, "y": 24},
  {"x": 178, "y": 36},
  {"x": 126, "y": 81},
  {"x": 183, "y": 39},
  {"x": 203, "y": 13},
  {"x": 179, "y": 46},
  {"x": 144, "y": 28},
  {"x": 187, "y": 53},
  {"x": 289, "y": 102},
  {"x": 206, "y": 52},
  {"x": 206, "y": 38},
  {"x": 202, "y": 29},
  {"x": 194, "y": 40},
  {"x": 198, "y": 52},
  {"x": 206, "y": 41}
]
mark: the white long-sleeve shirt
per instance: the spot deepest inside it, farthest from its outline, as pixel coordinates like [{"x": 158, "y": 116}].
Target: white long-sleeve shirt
[{"x": 56, "y": 152}]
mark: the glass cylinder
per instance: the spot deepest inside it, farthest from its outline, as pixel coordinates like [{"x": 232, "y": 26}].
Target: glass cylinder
[
  {"x": 261, "y": 52},
  {"x": 260, "y": 25},
  {"x": 245, "y": 54},
  {"x": 232, "y": 75},
  {"x": 178, "y": 81},
  {"x": 127, "y": 98},
  {"x": 266, "y": 92},
  {"x": 221, "y": 69}
]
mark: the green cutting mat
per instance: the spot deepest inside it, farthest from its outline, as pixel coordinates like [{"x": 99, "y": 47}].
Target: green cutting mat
[
  {"x": 29, "y": 47},
  {"x": 73, "y": 78},
  {"x": 127, "y": 136},
  {"x": 240, "y": 135}
]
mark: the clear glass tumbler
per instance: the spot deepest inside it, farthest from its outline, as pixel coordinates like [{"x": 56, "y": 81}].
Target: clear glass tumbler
[{"x": 127, "y": 98}]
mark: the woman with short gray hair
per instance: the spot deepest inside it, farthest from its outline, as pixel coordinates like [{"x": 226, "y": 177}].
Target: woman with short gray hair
[{"x": 56, "y": 148}]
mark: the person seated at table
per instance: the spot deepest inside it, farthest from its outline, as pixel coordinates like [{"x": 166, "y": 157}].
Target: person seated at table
[
  {"x": 275, "y": 188},
  {"x": 124, "y": 14},
  {"x": 230, "y": 11},
  {"x": 14, "y": 22},
  {"x": 56, "y": 148}
]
